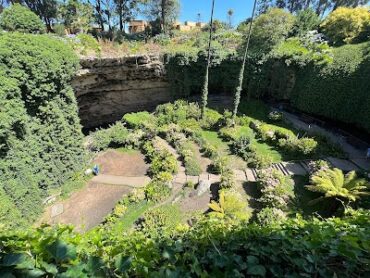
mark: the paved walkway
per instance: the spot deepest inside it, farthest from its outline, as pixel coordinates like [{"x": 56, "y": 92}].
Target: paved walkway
[
  {"x": 351, "y": 151},
  {"x": 122, "y": 180}
]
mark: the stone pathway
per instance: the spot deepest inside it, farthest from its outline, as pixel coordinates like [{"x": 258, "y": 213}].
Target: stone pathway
[
  {"x": 122, "y": 180},
  {"x": 297, "y": 168},
  {"x": 351, "y": 151}
]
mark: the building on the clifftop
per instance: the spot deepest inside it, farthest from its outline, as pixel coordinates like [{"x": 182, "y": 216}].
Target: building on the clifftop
[{"x": 139, "y": 26}]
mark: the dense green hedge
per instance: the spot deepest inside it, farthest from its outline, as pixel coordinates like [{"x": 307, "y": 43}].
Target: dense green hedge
[
  {"x": 212, "y": 248},
  {"x": 338, "y": 90},
  {"x": 40, "y": 137}
]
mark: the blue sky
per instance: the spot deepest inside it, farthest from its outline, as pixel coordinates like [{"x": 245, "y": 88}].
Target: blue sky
[{"x": 190, "y": 9}]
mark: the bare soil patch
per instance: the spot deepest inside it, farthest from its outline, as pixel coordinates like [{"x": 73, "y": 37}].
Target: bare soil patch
[
  {"x": 87, "y": 208},
  {"x": 118, "y": 163}
]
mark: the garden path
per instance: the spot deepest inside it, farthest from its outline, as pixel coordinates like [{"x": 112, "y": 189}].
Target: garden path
[{"x": 86, "y": 208}]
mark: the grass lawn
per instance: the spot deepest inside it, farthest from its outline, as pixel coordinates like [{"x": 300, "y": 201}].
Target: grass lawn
[
  {"x": 262, "y": 148},
  {"x": 134, "y": 211}
]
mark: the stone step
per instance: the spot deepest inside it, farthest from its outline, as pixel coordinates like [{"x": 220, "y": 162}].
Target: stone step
[
  {"x": 240, "y": 175},
  {"x": 305, "y": 166},
  {"x": 343, "y": 164},
  {"x": 249, "y": 174},
  {"x": 294, "y": 168},
  {"x": 362, "y": 163},
  {"x": 282, "y": 169}
]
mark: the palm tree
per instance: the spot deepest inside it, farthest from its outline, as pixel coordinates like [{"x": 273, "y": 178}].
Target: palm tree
[
  {"x": 238, "y": 89},
  {"x": 205, "y": 84},
  {"x": 333, "y": 184},
  {"x": 230, "y": 14}
]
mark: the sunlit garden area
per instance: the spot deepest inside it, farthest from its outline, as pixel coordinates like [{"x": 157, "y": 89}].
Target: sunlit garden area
[{"x": 136, "y": 145}]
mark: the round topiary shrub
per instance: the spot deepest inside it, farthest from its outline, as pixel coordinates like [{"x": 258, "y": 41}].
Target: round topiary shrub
[{"x": 21, "y": 19}]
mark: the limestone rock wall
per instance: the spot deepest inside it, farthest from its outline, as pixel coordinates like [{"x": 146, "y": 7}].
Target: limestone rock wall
[{"x": 108, "y": 88}]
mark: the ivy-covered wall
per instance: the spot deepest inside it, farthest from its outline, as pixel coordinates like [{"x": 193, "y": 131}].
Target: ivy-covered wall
[
  {"x": 40, "y": 134},
  {"x": 339, "y": 90}
]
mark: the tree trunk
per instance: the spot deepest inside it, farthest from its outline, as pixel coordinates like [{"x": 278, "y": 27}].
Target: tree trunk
[
  {"x": 241, "y": 74},
  {"x": 205, "y": 85},
  {"x": 120, "y": 18},
  {"x": 163, "y": 16},
  {"x": 100, "y": 17}
]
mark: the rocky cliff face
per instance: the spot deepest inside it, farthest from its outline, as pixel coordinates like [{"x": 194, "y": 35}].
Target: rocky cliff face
[{"x": 108, "y": 88}]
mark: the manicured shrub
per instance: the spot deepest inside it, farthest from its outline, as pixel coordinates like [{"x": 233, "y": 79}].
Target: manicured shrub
[
  {"x": 114, "y": 136},
  {"x": 187, "y": 150},
  {"x": 140, "y": 120},
  {"x": 241, "y": 146},
  {"x": 275, "y": 116},
  {"x": 227, "y": 178},
  {"x": 160, "y": 220},
  {"x": 285, "y": 139},
  {"x": 211, "y": 119},
  {"x": 177, "y": 112},
  {"x": 190, "y": 126},
  {"x": 161, "y": 159},
  {"x": 277, "y": 190},
  {"x": 345, "y": 83},
  {"x": 157, "y": 190},
  {"x": 21, "y": 19},
  {"x": 270, "y": 215}
]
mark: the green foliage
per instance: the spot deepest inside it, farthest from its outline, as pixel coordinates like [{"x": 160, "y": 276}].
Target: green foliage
[
  {"x": 85, "y": 44},
  {"x": 277, "y": 190},
  {"x": 210, "y": 248},
  {"x": 38, "y": 114},
  {"x": 230, "y": 206},
  {"x": 285, "y": 139},
  {"x": 302, "y": 51},
  {"x": 346, "y": 25},
  {"x": 160, "y": 220},
  {"x": 332, "y": 183},
  {"x": 161, "y": 160},
  {"x": 187, "y": 151},
  {"x": 345, "y": 83},
  {"x": 227, "y": 179},
  {"x": 177, "y": 112},
  {"x": 270, "y": 215},
  {"x": 306, "y": 20},
  {"x": 211, "y": 119},
  {"x": 21, "y": 19},
  {"x": 241, "y": 146},
  {"x": 115, "y": 136},
  {"x": 140, "y": 120},
  {"x": 77, "y": 16},
  {"x": 271, "y": 28},
  {"x": 158, "y": 189}
]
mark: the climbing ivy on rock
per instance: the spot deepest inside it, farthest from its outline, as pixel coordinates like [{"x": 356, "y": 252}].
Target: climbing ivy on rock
[{"x": 40, "y": 134}]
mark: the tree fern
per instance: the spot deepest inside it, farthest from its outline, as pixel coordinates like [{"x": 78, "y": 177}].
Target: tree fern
[{"x": 332, "y": 183}]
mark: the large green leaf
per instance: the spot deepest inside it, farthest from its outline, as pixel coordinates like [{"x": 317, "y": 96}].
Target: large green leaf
[
  {"x": 259, "y": 270},
  {"x": 62, "y": 251}
]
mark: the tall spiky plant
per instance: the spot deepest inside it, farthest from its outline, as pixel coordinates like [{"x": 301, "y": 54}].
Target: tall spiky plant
[
  {"x": 205, "y": 84},
  {"x": 333, "y": 184},
  {"x": 238, "y": 89}
]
